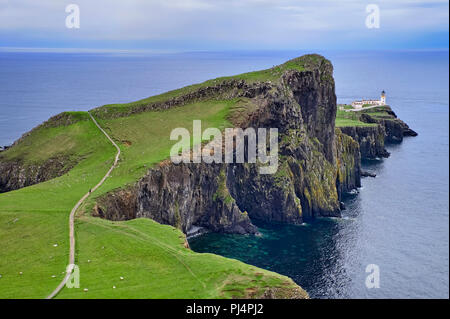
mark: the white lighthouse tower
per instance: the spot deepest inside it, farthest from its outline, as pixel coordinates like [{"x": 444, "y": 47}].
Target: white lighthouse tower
[{"x": 383, "y": 98}]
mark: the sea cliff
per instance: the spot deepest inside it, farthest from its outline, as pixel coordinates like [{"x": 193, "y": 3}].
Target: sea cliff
[
  {"x": 318, "y": 162},
  {"x": 372, "y": 128}
]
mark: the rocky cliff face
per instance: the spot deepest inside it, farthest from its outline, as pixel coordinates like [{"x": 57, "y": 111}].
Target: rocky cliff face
[
  {"x": 348, "y": 163},
  {"x": 316, "y": 164},
  {"x": 182, "y": 196},
  {"x": 395, "y": 128},
  {"x": 386, "y": 128},
  {"x": 15, "y": 174},
  {"x": 370, "y": 139}
]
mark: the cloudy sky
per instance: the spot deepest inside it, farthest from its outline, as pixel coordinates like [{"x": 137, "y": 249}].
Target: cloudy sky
[{"x": 181, "y": 25}]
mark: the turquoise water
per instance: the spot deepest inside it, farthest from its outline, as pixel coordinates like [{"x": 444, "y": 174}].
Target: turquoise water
[{"x": 399, "y": 220}]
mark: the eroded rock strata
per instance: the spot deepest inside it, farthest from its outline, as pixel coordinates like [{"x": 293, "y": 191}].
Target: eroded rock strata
[
  {"x": 15, "y": 174},
  {"x": 371, "y": 140},
  {"x": 395, "y": 128}
]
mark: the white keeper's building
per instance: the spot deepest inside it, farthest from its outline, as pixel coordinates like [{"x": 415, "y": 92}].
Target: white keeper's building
[{"x": 381, "y": 101}]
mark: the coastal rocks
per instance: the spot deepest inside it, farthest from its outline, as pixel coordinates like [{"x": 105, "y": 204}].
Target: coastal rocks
[
  {"x": 15, "y": 175},
  {"x": 370, "y": 139},
  {"x": 314, "y": 91},
  {"x": 192, "y": 194},
  {"x": 263, "y": 196},
  {"x": 384, "y": 127},
  {"x": 348, "y": 163},
  {"x": 368, "y": 174},
  {"x": 395, "y": 129}
]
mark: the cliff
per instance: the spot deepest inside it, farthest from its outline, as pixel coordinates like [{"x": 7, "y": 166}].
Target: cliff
[
  {"x": 316, "y": 164},
  {"x": 33, "y": 159},
  {"x": 395, "y": 129},
  {"x": 348, "y": 163},
  {"x": 373, "y": 128},
  {"x": 15, "y": 174},
  {"x": 371, "y": 140}
]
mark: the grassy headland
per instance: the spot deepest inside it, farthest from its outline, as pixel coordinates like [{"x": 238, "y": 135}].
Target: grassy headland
[
  {"x": 152, "y": 258},
  {"x": 349, "y": 118}
]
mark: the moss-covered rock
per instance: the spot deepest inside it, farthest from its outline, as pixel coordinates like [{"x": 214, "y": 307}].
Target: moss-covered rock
[{"x": 348, "y": 163}]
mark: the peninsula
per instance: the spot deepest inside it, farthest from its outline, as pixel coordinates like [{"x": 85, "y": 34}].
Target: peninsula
[{"x": 131, "y": 231}]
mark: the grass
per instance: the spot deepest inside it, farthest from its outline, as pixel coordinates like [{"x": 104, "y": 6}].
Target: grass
[
  {"x": 382, "y": 108},
  {"x": 264, "y": 75},
  {"x": 154, "y": 263},
  {"x": 143, "y": 144},
  {"x": 151, "y": 257},
  {"x": 345, "y": 106},
  {"x": 349, "y": 122},
  {"x": 45, "y": 142},
  {"x": 273, "y": 74},
  {"x": 35, "y": 218},
  {"x": 349, "y": 119}
]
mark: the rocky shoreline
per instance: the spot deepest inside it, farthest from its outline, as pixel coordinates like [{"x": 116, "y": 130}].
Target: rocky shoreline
[{"x": 387, "y": 128}]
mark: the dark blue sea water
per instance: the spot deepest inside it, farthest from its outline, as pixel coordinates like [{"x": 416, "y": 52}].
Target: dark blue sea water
[{"x": 398, "y": 221}]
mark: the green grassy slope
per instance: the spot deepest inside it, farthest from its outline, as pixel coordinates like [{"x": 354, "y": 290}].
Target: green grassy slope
[
  {"x": 35, "y": 218},
  {"x": 150, "y": 257},
  {"x": 345, "y": 119},
  {"x": 144, "y": 138},
  {"x": 153, "y": 262},
  {"x": 272, "y": 74}
]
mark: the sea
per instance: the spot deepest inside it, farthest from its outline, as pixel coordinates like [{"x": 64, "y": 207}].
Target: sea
[{"x": 392, "y": 240}]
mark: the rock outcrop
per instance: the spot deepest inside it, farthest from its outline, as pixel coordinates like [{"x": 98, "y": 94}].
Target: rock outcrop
[
  {"x": 386, "y": 128},
  {"x": 370, "y": 139},
  {"x": 15, "y": 174},
  {"x": 395, "y": 128},
  {"x": 348, "y": 163},
  {"x": 182, "y": 196}
]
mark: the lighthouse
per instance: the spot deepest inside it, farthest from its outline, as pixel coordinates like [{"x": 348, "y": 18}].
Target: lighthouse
[{"x": 383, "y": 98}]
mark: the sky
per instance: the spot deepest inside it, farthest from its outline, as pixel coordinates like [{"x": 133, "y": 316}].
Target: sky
[{"x": 199, "y": 25}]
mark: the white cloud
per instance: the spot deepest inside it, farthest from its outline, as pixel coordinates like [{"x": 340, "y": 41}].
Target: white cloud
[{"x": 261, "y": 22}]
